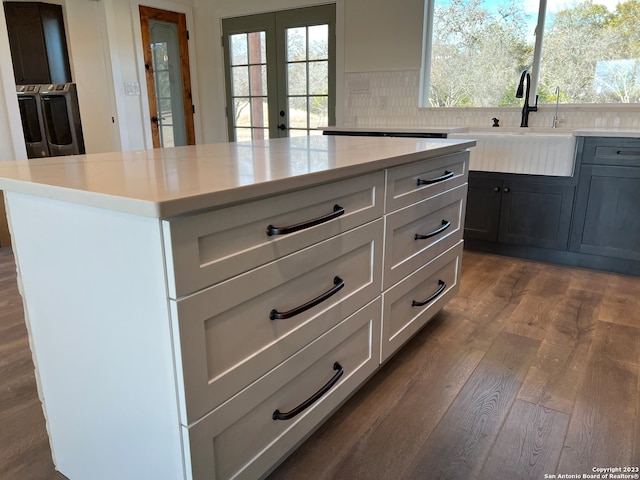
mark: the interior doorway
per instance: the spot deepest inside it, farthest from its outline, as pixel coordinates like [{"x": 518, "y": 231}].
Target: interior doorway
[
  {"x": 166, "y": 61},
  {"x": 280, "y": 73}
]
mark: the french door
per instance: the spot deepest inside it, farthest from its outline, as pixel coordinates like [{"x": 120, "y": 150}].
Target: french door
[{"x": 280, "y": 73}]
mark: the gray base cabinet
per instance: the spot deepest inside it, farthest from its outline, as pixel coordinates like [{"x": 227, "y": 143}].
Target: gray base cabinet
[
  {"x": 589, "y": 220},
  {"x": 519, "y": 210},
  {"x": 607, "y": 211}
]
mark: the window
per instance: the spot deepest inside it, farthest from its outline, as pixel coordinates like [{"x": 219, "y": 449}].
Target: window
[{"x": 475, "y": 51}]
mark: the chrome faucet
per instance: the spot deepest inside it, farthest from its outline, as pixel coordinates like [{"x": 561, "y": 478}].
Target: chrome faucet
[
  {"x": 556, "y": 120},
  {"x": 526, "y": 108}
]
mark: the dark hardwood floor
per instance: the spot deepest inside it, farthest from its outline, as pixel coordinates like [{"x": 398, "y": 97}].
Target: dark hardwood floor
[{"x": 532, "y": 369}]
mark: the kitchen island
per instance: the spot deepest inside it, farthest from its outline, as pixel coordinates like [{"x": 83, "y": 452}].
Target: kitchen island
[{"x": 197, "y": 312}]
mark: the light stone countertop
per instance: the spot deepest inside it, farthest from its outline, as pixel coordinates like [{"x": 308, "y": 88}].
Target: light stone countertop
[
  {"x": 401, "y": 130},
  {"x": 576, "y": 131},
  {"x": 162, "y": 183},
  {"x": 607, "y": 132}
]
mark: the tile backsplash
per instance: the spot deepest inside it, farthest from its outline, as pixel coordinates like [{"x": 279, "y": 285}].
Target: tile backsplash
[{"x": 390, "y": 99}]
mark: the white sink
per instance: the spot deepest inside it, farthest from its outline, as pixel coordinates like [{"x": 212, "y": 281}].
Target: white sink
[{"x": 532, "y": 150}]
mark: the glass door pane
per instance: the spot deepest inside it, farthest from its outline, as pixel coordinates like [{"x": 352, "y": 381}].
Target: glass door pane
[
  {"x": 249, "y": 91},
  {"x": 168, "y": 81},
  {"x": 307, "y": 79}
]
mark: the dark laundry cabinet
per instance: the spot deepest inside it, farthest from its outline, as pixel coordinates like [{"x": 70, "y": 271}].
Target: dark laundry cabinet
[{"x": 38, "y": 44}]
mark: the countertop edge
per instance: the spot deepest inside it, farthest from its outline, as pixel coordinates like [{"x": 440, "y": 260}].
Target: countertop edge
[
  {"x": 184, "y": 204},
  {"x": 256, "y": 191}
]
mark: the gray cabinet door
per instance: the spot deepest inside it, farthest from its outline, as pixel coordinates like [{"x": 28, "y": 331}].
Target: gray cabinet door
[
  {"x": 484, "y": 199},
  {"x": 516, "y": 210},
  {"x": 607, "y": 216},
  {"x": 535, "y": 214}
]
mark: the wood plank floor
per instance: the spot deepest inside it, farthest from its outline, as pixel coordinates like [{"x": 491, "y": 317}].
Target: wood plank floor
[{"x": 532, "y": 369}]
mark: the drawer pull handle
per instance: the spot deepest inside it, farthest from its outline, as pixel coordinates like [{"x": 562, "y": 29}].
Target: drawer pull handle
[
  {"x": 432, "y": 297},
  {"x": 276, "y": 315},
  {"x": 337, "y": 211},
  {"x": 633, "y": 153},
  {"x": 278, "y": 415},
  {"x": 447, "y": 175},
  {"x": 445, "y": 225}
]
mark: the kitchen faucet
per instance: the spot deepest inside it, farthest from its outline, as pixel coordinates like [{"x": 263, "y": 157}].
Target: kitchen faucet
[
  {"x": 556, "y": 119},
  {"x": 526, "y": 108}
]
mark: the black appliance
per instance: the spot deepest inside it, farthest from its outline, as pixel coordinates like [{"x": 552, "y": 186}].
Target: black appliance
[
  {"x": 32, "y": 121},
  {"x": 61, "y": 115}
]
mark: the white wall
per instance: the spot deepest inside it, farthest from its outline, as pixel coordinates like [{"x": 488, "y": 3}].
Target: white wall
[
  {"x": 106, "y": 52},
  {"x": 85, "y": 24},
  {"x": 383, "y": 35},
  {"x": 11, "y": 140}
]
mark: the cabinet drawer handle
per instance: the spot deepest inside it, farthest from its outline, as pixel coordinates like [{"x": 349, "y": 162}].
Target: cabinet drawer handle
[
  {"x": 447, "y": 175},
  {"x": 432, "y": 297},
  {"x": 278, "y": 415},
  {"x": 276, "y": 315},
  {"x": 633, "y": 153},
  {"x": 337, "y": 211},
  {"x": 445, "y": 225}
]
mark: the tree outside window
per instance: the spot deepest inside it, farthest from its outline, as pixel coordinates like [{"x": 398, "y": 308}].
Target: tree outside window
[{"x": 591, "y": 49}]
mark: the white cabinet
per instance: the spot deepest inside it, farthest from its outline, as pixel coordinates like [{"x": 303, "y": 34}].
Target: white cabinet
[
  {"x": 425, "y": 208},
  {"x": 208, "y": 345},
  {"x": 227, "y": 336},
  {"x": 241, "y": 439},
  {"x": 206, "y": 248}
]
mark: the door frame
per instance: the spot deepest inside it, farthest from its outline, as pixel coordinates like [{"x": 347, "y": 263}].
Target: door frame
[{"x": 145, "y": 117}]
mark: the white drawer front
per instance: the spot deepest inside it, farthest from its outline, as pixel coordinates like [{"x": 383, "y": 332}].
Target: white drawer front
[
  {"x": 226, "y": 338},
  {"x": 402, "y": 317},
  {"x": 241, "y": 439},
  {"x": 204, "y": 249},
  {"x": 417, "y": 234},
  {"x": 406, "y": 183}
]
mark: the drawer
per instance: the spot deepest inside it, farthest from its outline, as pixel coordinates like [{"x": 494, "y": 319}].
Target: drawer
[
  {"x": 226, "y": 337},
  {"x": 204, "y": 249},
  {"x": 617, "y": 152},
  {"x": 410, "y": 304},
  {"x": 241, "y": 439},
  {"x": 410, "y": 183},
  {"x": 420, "y": 232}
]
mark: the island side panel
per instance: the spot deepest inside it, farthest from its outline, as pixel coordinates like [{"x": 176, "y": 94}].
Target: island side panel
[{"x": 98, "y": 320}]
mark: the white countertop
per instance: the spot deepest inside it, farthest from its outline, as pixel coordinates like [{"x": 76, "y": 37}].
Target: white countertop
[
  {"x": 606, "y": 132},
  {"x": 167, "y": 182},
  {"x": 418, "y": 130},
  {"x": 576, "y": 132}
]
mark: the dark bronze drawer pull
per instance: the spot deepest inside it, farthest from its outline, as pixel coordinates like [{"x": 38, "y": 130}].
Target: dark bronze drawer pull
[
  {"x": 337, "y": 211},
  {"x": 445, "y": 225},
  {"x": 447, "y": 175},
  {"x": 632, "y": 153},
  {"x": 432, "y": 297},
  {"x": 278, "y": 415},
  {"x": 276, "y": 315}
]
